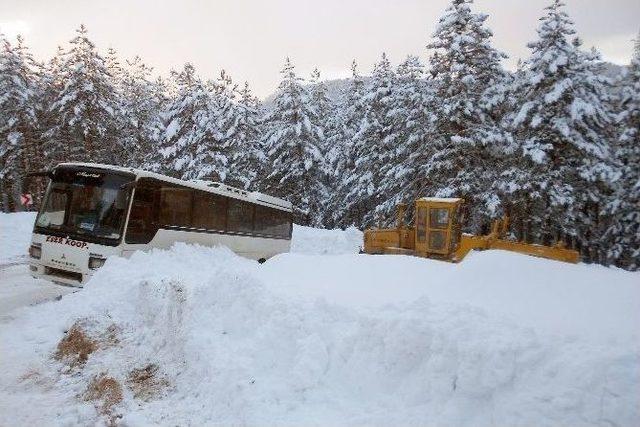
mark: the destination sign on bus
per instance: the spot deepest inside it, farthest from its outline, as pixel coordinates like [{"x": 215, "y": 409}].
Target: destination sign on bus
[
  {"x": 66, "y": 241},
  {"x": 88, "y": 174}
]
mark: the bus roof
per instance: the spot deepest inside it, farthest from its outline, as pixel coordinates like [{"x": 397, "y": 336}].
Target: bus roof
[{"x": 209, "y": 186}]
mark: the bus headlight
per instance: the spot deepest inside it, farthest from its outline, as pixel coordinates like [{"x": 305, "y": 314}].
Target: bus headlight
[
  {"x": 35, "y": 251},
  {"x": 96, "y": 262}
]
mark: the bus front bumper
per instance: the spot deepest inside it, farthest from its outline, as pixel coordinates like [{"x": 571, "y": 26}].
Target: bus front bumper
[{"x": 56, "y": 275}]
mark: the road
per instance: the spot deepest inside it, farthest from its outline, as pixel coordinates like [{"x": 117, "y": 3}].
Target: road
[{"x": 19, "y": 289}]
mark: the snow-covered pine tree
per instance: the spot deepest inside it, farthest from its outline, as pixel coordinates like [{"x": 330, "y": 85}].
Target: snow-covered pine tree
[
  {"x": 330, "y": 123},
  {"x": 227, "y": 116},
  {"x": 372, "y": 149},
  {"x": 142, "y": 106},
  {"x": 49, "y": 84},
  {"x": 241, "y": 124},
  {"x": 18, "y": 121},
  {"x": 193, "y": 144},
  {"x": 512, "y": 183},
  {"x": 114, "y": 67},
  {"x": 122, "y": 149},
  {"x": 86, "y": 106},
  {"x": 622, "y": 238},
  {"x": 339, "y": 156},
  {"x": 467, "y": 141},
  {"x": 322, "y": 106},
  {"x": 353, "y": 107},
  {"x": 563, "y": 129},
  {"x": 410, "y": 139},
  {"x": 292, "y": 141}
]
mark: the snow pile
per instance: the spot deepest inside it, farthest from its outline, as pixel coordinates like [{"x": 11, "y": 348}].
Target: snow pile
[
  {"x": 589, "y": 301},
  {"x": 197, "y": 336},
  {"x": 15, "y": 235},
  {"x": 307, "y": 240}
]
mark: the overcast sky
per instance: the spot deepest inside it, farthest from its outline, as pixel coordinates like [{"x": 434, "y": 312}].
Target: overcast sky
[{"x": 251, "y": 38}]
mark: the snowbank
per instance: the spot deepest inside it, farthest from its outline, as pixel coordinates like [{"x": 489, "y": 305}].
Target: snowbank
[
  {"x": 15, "y": 235},
  {"x": 307, "y": 240},
  {"x": 549, "y": 296},
  {"x": 227, "y": 344}
]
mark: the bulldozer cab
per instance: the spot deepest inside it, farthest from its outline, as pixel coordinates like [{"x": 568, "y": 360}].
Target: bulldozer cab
[{"x": 436, "y": 226}]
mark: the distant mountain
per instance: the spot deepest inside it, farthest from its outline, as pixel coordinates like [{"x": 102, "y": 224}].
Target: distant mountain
[
  {"x": 335, "y": 88},
  {"x": 614, "y": 70}
]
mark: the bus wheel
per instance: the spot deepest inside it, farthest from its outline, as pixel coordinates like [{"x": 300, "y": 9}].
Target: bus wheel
[{"x": 262, "y": 260}]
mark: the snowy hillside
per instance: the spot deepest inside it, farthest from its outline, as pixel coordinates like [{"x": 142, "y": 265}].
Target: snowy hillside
[{"x": 200, "y": 336}]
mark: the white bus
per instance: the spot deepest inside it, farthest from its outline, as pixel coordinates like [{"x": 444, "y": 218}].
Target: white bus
[{"x": 91, "y": 211}]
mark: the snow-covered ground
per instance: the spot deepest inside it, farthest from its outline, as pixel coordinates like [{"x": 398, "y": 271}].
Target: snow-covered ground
[
  {"x": 333, "y": 339},
  {"x": 15, "y": 235},
  {"x": 17, "y": 288}
]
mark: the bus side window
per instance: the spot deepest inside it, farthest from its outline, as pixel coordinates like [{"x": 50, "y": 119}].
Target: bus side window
[
  {"x": 175, "y": 206},
  {"x": 240, "y": 216},
  {"x": 143, "y": 221},
  {"x": 273, "y": 222},
  {"x": 285, "y": 224},
  {"x": 209, "y": 211},
  {"x": 265, "y": 220}
]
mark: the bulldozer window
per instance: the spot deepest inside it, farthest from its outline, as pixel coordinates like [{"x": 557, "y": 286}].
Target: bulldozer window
[
  {"x": 439, "y": 218},
  {"x": 437, "y": 240},
  {"x": 421, "y": 222}
]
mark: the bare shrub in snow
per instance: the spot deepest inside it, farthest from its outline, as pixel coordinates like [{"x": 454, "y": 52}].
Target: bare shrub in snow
[
  {"x": 74, "y": 349},
  {"x": 76, "y": 346},
  {"x": 106, "y": 392}
]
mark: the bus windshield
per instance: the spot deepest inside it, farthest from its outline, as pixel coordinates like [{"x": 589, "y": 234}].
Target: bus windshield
[{"x": 89, "y": 204}]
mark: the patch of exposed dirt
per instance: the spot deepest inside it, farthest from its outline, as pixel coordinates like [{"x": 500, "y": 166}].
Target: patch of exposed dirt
[
  {"x": 76, "y": 346},
  {"x": 105, "y": 392},
  {"x": 147, "y": 383}
]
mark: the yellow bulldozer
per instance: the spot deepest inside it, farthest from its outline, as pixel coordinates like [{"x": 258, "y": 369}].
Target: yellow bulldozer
[{"x": 437, "y": 234}]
